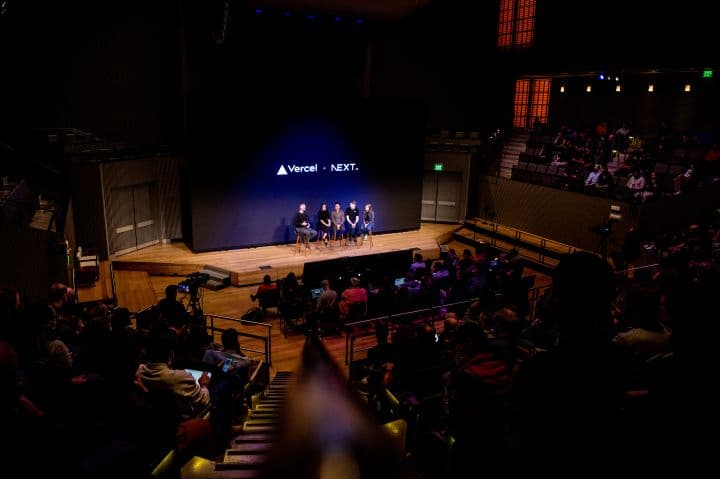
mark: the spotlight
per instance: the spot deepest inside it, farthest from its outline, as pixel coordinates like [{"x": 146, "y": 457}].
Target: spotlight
[
  {"x": 562, "y": 88},
  {"x": 618, "y": 88},
  {"x": 688, "y": 87},
  {"x": 602, "y": 77},
  {"x": 588, "y": 88},
  {"x": 651, "y": 88},
  {"x": 617, "y": 78}
]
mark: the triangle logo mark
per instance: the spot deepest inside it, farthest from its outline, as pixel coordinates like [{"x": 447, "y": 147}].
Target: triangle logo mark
[{"x": 281, "y": 171}]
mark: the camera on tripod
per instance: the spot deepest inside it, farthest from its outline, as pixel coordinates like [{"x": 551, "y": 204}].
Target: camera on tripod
[{"x": 192, "y": 283}]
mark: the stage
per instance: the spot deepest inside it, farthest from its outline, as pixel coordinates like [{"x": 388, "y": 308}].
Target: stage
[{"x": 248, "y": 266}]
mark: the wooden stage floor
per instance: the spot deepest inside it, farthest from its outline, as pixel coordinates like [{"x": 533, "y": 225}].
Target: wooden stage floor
[{"x": 244, "y": 265}]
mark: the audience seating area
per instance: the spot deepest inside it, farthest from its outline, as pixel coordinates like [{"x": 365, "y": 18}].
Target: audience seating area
[{"x": 565, "y": 160}]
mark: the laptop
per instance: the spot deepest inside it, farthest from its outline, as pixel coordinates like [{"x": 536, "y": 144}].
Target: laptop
[{"x": 316, "y": 292}]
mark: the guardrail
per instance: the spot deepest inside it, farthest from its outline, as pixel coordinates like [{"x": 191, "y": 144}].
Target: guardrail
[
  {"x": 351, "y": 337},
  {"x": 521, "y": 240},
  {"x": 267, "y": 340}
]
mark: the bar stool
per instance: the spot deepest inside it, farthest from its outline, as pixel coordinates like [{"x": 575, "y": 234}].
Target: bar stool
[
  {"x": 370, "y": 239},
  {"x": 299, "y": 242},
  {"x": 336, "y": 238}
]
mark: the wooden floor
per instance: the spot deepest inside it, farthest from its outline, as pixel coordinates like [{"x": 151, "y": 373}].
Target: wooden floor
[
  {"x": 141, "y": 277},
  {"x": 277, "y": 261},
  {"x": 138, "y": 289}
]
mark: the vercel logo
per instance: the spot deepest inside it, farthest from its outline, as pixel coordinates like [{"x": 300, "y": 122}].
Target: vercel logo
[{"x": 286, "y": 169}]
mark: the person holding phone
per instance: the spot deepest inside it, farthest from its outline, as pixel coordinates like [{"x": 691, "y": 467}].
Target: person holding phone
[
  {"x": 231, "y": 370},
  {"x": 156, "y": 375}
]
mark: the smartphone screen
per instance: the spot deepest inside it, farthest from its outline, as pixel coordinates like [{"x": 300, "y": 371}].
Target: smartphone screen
[{"x": 227, "y": 365}]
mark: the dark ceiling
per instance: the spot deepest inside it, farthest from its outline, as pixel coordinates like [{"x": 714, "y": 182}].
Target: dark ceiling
[{"x": 378, "y": 9}]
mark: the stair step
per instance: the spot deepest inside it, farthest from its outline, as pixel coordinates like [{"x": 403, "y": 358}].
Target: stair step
[
  {"x": 265, "y": 413},
  {"x": 259, "y": 429},
  {"x": 244, "y": 461},
  {"x": 251, "y": 448},
  {"x": 235, "y": 474},
  {"x": 253, "y": 438},
  {"x": 262, "y": 421}
]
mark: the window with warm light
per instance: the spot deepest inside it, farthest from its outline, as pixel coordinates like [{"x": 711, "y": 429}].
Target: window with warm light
[
  {"x": 522, "y": 96},
  {"x": 516, "y": 24},
  {"x": 532, "y": 100}
]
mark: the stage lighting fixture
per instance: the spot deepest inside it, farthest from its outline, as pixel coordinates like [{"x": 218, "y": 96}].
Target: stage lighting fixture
[
  {"x": 707, "y": 73},
  {"x": 588, "y": 88},
  {"x": 617, "y": 78},
  {"x": 651, "y": 88},
  {"x": 562, "y": 88},
  {"x": 688, "y": 87},
  {"x": 618, "y": 88},
  {"x": 602, "y": 77}
]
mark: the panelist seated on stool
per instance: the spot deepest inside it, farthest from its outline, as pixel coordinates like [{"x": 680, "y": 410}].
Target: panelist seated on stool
[{"x": 301, "y": 221}]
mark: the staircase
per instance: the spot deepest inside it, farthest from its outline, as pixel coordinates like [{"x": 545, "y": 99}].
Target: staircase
[
  {"x": 218, "y": 278},
  {"x": 514, "y": 145},
  {"x": 250, "y": 450}
]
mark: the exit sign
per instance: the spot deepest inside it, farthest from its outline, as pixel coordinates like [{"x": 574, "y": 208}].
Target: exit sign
[
  {"x": 438, "y": 167},
  {"x": 707, "y": 73}
]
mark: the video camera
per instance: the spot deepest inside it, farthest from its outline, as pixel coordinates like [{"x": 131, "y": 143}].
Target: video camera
[{"x": 192, "y": 283}]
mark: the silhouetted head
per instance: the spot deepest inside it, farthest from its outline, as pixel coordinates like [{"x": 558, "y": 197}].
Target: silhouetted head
[
  {"x": 231, "y": 340},
  {"x": 582, "y": 292},
  {"x": 171, "y": 292}
]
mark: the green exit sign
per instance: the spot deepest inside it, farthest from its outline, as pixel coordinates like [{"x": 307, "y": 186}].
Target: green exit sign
[
  {"x": 438, "y": 167},
  {"x": 707, "y": 73}
]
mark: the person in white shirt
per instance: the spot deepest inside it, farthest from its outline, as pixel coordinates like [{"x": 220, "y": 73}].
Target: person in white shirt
[
  {"x": 157, "y": 376},
  {"x": 593, "y": 176},
  {"x": 636, "y": 182}
]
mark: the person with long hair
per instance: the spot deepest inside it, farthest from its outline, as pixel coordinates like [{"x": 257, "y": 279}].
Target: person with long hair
[
  {"x": 368, "y": 223},
  {"x": 324, "y": 222}
]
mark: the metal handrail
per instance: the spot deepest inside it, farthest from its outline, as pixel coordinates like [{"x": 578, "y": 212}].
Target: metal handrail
[
  {"x": 267, "y": 340},
  {"x": 518, "y": 235},
  {"x": 350, "y": 337}
]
